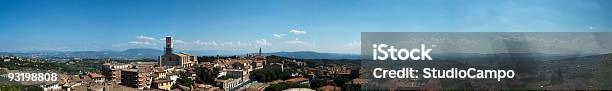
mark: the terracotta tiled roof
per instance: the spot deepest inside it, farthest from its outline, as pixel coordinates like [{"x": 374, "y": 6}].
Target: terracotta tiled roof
[
  {"x": 329, "y": 88},
  {"x": 299, "y": 79},
  {"x": 94, "y": 75},
  {"x": 359, "y": 81}
]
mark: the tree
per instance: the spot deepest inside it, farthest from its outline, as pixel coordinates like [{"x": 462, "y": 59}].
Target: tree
[
  {"x": 602, "y": 76},
  {"x": 340, "y": 81},
  {"x": 319, "y": 83},
  {"x": 9, "y": 87},
  {"x": 271, "y": 73},
  {"x": 184, "y": 79},
  {"x": 207, "y": 76}
]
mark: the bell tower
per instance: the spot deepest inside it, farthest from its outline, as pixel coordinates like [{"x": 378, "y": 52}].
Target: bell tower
[{"x": 168, "y": 49}]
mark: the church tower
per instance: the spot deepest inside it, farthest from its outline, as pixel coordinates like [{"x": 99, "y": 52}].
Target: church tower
[
  {"x": 168, "y": 49},
  {"x": 260, "y": 58}
]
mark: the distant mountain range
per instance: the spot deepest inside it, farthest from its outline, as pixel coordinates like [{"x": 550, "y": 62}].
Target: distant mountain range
[
  {"x": 128, "y": 54},
  {"x": 315, "y": 55},
  {"x": 154, "y": 53}
]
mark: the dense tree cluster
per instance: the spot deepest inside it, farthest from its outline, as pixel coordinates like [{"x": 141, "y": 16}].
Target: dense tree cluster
[
  {"x": 6, "y": 85},
  {"x": 20, "y": 88},
  {"x": 69, "y": 67},
  {"x": 206, "y": 75},
  {"x": 270, "y": 73}
]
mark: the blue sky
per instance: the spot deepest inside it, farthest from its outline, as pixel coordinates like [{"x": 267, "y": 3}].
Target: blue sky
[{"x": 275, "y": 25}]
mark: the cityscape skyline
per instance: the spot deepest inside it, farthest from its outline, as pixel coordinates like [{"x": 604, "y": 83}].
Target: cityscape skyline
[{"x": 296, "y": 25}]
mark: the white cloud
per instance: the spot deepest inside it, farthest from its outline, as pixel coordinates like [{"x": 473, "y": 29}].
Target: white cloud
[
  {"x": 354, "y": 44},
  {"x": 228, "y": 44},
  {"x": 141, "y": 42},
  {"x": 240, "y": 43},
  {"x": 151, "y": 42},
  {"x": 259, "y": 42},
  {"x": 296, "y": 41},
  {"x": 119, "y": 45},
  {"x": 278, "y": 35},
  {"x": 236, "y": 44},
  {"x": 262, "y": 42},
  {"x": 144, "y": 38},
  {"x": 180, "y": 42},
  {"x": 297, "y": 32},
  {"x": 203, "y": 43}
]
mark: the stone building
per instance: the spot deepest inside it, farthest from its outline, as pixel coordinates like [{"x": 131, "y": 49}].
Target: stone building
[{"x": 169, "y": 58}]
